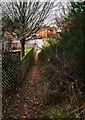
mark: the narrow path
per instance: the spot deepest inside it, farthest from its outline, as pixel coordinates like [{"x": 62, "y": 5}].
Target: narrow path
[{"x": 28, "y": 102}]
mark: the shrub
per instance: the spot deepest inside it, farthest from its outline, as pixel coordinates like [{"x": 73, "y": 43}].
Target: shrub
[{"x": 58, "y": 112}]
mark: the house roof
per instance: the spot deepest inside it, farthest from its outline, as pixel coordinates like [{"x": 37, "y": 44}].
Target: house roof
[{"x": 48, "y": 27}]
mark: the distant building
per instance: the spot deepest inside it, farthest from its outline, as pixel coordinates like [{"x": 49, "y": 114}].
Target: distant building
[
  {"x": 11, "y": 45},
  {"x": 45, "y": 31},
  {"x": 10, "y": 42}
]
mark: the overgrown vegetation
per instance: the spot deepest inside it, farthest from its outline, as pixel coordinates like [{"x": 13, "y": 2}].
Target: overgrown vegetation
[
  {"x": 64, "y": 71},
  {"x": 57, "y": 112},
  {"x": 50, "y": 40}
]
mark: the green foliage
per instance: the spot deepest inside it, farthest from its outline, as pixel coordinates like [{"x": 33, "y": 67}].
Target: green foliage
[
  {"x": 46, "y": 44},
  {"x": 68, "y": 59},
  {"x": 50, "y": 40},
  {"x": 28, "y": 50},
  {"x": 49, "y": 55},
  {"x": 73, "y": 38},
  {"x": 57, "y": 112}
]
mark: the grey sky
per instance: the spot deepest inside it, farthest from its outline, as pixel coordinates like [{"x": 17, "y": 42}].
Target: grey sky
[
  {"x": 53, "y": 12},
  {"x": 46, "y": 0}
]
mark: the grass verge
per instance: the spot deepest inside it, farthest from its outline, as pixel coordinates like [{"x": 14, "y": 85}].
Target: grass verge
[{"x": 27, "y": 50}]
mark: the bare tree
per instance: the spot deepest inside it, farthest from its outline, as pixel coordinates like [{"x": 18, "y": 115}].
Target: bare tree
[
  {"x": 61, "y": 14},
  {"x": 26, "y": 17}
]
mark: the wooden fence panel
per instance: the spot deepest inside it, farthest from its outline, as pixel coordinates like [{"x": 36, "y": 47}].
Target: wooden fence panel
[{"x": 25, "y": 63}]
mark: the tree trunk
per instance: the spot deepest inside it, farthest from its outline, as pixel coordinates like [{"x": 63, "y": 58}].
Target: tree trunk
[{"x": 23, "y": 46}]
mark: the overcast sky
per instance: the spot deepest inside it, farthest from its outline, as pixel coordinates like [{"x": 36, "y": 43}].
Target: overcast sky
[
  {"x": 46, "y": 0},
  {"x": 56, "y": 1}
]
